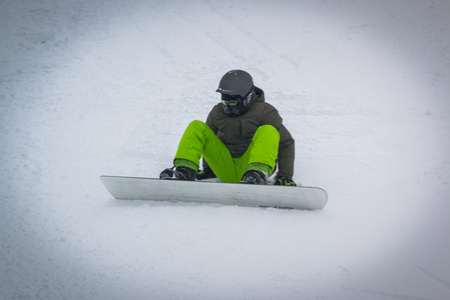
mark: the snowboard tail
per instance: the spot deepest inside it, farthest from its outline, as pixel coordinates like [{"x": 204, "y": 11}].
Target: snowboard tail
[{"x": 139, "y": 188}]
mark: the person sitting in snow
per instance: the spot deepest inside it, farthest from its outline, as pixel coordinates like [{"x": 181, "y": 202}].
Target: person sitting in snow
[{"x": 242, "y": 140}]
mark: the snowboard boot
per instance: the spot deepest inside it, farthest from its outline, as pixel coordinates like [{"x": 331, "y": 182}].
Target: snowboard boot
[
  {"x": 254, "y": 177},
  {"x": 180, "y": 173}
]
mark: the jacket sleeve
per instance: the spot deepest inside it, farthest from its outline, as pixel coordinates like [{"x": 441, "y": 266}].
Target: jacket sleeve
[
  {"x": 286, "y": 150},
  {"x": 286, "y": 153}
]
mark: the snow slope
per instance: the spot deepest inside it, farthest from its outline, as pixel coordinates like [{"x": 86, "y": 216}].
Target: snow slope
[{"x": 107, "y": 87}]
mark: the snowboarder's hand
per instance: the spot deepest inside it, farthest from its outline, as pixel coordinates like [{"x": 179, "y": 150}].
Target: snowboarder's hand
[
  {"x": 205, "y": 174},
  {"x": 282, "y": 180}
]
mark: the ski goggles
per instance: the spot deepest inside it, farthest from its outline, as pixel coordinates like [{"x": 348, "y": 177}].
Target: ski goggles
[{"x": 231, "y": 100}]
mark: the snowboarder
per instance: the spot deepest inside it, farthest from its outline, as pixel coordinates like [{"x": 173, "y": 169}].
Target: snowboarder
[{"x": 242, "y": 140}]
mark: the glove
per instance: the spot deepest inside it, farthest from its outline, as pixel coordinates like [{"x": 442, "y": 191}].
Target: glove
[
  {"x": 283, "y": 180},
  {"x": 205, "y": 174}
]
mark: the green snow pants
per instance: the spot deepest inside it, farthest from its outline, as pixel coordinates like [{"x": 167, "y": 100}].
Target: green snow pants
[{"x": 199, "y": 139}]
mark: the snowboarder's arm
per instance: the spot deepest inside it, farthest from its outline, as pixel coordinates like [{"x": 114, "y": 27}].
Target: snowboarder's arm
[
  {"x": 286, "y": 150},
  {"x": 286, "y": 153}
]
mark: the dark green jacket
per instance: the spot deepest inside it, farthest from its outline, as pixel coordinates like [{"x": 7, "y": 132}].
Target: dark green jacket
[{"x": 237, "y": 132}]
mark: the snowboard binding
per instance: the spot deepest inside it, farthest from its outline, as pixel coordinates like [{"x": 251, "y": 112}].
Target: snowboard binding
[{"x": 180, "y": 173}]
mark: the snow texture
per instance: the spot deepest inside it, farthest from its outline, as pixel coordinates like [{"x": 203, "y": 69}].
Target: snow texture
[{"x": 91, "y": 87}]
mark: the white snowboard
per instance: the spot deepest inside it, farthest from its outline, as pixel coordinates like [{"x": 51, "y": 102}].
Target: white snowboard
[{"x": 136, "y": 188}]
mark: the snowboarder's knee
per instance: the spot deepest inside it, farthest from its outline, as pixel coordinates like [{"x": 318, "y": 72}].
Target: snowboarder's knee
[
  {"x": 268, "y": 129},
  {"x": 197, "y": 124}
]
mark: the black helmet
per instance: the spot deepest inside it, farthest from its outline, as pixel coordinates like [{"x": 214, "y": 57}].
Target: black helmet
[
  {"x": 236, "y": 82},
  {"x": 236, "y": 88}
]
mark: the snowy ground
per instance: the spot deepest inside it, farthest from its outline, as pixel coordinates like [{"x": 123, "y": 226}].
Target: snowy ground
[{"x": 90, "y": 87}]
